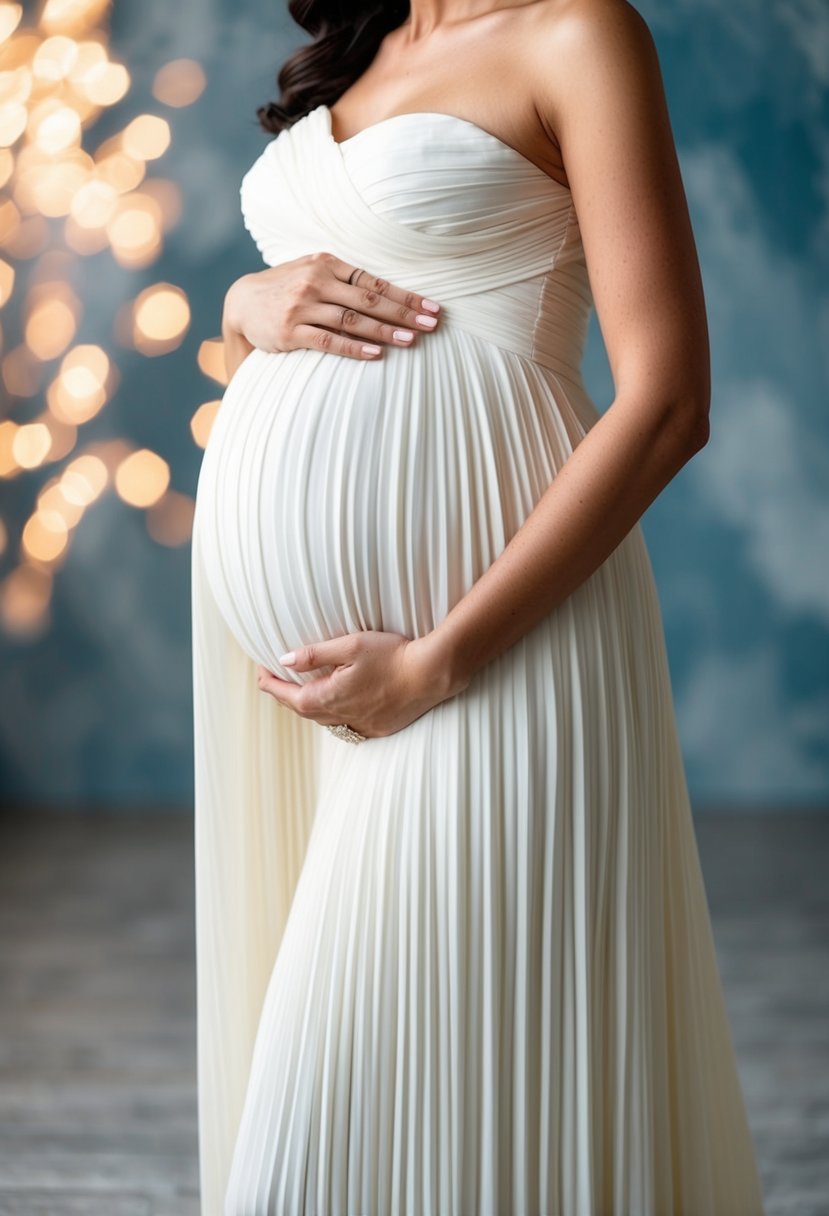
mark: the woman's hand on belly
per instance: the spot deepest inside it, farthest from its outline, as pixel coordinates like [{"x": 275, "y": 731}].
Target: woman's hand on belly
[
  {"x": 323, "y": 303},
  {"x": 380, "y": 681}
]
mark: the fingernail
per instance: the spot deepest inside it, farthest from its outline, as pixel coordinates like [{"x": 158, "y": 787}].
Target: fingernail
[
  {"x": 403, "y": 335},
  {"x": 429, "y": 322},
  {"x": 368, "y": 349},
  {"x": 430, "y": 305},
  {"x": 288, "y": 660}
]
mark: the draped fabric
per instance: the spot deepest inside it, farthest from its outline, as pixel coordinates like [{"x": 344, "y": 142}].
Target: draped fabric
[{"x": 466, "y": 969}]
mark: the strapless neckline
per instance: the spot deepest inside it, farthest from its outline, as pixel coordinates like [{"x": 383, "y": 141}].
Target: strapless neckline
[{"x": 443, "y": 115}]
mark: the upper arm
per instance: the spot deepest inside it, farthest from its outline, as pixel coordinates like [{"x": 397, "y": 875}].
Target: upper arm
[{"x": 601, "y": 88}]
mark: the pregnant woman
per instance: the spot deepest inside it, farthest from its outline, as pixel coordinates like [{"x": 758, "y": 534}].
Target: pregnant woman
[{"x": 454, "y": 950}]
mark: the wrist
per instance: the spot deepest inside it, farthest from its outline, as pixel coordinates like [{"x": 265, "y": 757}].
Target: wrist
[
  {"x": 232, "y": 309},
  {"x": 441, "y": 672}
]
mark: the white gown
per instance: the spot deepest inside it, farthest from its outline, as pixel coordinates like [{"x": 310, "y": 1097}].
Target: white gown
[{"x": 466, "y": 969}]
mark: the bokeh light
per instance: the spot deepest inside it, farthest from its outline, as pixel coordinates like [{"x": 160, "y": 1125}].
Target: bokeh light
[
  {"x": 24, "y": 600},
  {"x": 201, "y": 423},
  {"x": 142, "y": 477},
  {"x": 160, "y": 318},
  {"x": 180, "y": 82},
  {"x": 211, "y": 358},
  {"x": 146, "y": 138},
  {"x": 63, "y": 197}
]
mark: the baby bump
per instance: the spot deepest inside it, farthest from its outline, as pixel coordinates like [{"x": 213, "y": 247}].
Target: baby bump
[{"x": 338, "y": 495}]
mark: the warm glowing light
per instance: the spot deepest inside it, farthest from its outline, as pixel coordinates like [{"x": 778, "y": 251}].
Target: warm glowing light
[
  {"x": 41, "y": 542},
  {"x": 106, "y": 83},
  {"x": 50, "y": 187},
  {"x": 201, "y": 423},
  {"x": 8, "y": 464},
  {"x": 29, "y": 239},
  {"x": 24, "y": 599},
  {"x": 114, "y": 165},
  {"x": 18, "y": 52},
  {"x": 142, "y": 478},
  {"x": 57, "y": 511},
  {"x": 55, "y": 78},
  {"x": 16, "y": 80},
  {"x": 6, "y": 165},
  {"x": 170, "y": 521},
  {"x": 54, "y": 58},
  {"x": 13, "y": 119},
  {"x": 135, "y": 230},
  {"x": 10, "y": 15},
  {"x": 9, "y": 220},
  {"x": 84, "y": 479},
  {"x": 68, "y": 14},
  {"x": 80, "y": 388},
  {"x": 94, "y": 203},
  {"x": 147, "y": 137},
  {"x": 161, "y": 315},
  {"x": 50, "y": 328},
  {"x": 211, "y": 358},
  {"x": 90, "y": 55},
  {"x": 31, "y": 445},
  {"x": 180, "y": 82},
  {"x": 64, "y": 435},
  {"x": 22, "y": 372},
  {"x": 58, "y": 131},
  {"x": 84, "y": 240},
  {"x": 6, "y": 281},
  {"x": 92, "y": 359},
  {"x": 111, "y": 452}
]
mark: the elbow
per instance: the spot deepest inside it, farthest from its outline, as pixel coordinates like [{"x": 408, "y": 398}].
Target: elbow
[
  {"x": 691, "y": 422},
  {"x": 699, "y": 427}
]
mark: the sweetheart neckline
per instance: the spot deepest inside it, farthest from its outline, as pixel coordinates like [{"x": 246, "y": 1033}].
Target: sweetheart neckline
[{"x": 467, "y": 122}]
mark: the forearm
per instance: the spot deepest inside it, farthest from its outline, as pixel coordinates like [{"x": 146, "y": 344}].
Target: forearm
[{"x": 601, "y": 491}]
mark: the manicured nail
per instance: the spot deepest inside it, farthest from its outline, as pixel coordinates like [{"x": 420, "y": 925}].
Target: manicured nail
[
  {"x": 288, "y": 660},
  {"x": 430, "y": 305},
  {"x": 403, "y": 335},
  {"x": 429, "y": 322},
  {"x": 368, "y": 349}
]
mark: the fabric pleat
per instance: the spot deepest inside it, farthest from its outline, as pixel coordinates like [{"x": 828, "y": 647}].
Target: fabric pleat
[{"x": 466, "y": 969}]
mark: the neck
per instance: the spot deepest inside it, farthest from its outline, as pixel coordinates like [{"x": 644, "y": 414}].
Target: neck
[{"x": 428, "y": 16}]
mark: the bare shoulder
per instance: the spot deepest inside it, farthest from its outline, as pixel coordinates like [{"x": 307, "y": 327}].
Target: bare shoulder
[
  {"x": 581, "y": 26},
  {"x": 572, "y": 44}
]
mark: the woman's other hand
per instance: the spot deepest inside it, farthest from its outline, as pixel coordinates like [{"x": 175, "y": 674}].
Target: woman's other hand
[{"x": 380, "y": 681}]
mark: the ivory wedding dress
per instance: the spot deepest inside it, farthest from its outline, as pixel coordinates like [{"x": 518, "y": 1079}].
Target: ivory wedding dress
[{"x": 466, "y": 969}]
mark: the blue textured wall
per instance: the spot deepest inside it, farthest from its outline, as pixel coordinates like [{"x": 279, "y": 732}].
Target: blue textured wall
[{"x": 98, "y": 707}]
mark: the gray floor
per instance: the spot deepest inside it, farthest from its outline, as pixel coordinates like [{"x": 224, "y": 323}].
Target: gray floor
[{"x": 97, "y": 996}]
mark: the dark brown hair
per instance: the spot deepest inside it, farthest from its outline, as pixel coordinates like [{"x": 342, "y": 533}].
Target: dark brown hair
[{"x": 346, "y": 37}]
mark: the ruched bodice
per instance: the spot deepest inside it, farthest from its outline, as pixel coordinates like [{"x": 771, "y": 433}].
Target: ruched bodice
[
  {"x": 433, "y": 202},
  {"x": 464, "y": 969}
]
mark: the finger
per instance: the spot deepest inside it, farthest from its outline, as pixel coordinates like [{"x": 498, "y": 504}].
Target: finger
[
  {"x": 412, "y": 300},
  {"x": 307, "y": 700},
  {"x": 350, "y": 320},
  {"x": 333, "y": 651},
  {"x": 375, "y": 299},
  {"x": 334, "y": 343},
  {"x": 286, "y": 692}
]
